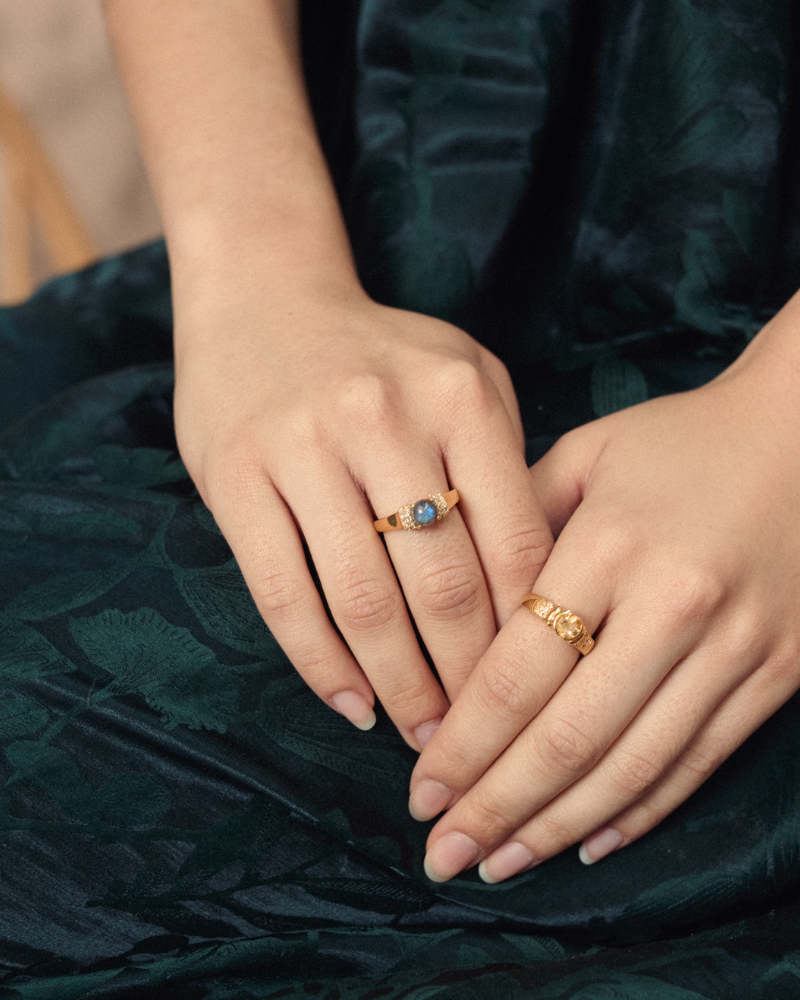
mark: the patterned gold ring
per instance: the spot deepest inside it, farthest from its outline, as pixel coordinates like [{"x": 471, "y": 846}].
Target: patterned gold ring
[
  {"x": 412, "y": 516},
  {"x": 562, "y": 621}
]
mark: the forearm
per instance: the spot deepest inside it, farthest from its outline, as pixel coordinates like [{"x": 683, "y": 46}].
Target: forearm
[{"x": 219, "y": 99}]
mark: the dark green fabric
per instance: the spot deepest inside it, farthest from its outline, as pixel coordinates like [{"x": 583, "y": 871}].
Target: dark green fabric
[{"x": 606, "y": 194}]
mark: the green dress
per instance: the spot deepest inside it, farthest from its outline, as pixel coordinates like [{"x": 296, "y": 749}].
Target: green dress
[{"x": 606, "y": 194}]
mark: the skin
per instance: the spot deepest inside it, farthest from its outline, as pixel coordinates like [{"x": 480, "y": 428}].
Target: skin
[
  {"x": 675, "y": 524},
  {"x": 304, "y": 409}
]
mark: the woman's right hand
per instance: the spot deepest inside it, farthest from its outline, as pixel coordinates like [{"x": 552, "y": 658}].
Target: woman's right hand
[
  {"x": 303, "y": 416},
  {"x": 303, "y": 409}
]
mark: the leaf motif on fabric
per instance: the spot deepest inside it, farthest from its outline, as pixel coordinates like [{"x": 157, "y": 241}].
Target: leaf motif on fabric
[
  {"x": 177, "y": 675},
  {"x": 696, "y": 303},
  {"x": 295, "y": 718},
  {"x": 626, "y": 986},
  {"x": 489, "y": 986},
  {"x": 20, "y": 716},
  {"x": 741, "y": 218},
  {"x": 616, "y": 384},
  {"x": 714, "y": 132},
  {"x": 376, "y": 896},
  {"x": 536, "y": 949},
  {"x": 131, "y": 799},
  {"x": 225, "y": 609},
  {"x": 62, "y": 516},
  {"x": 138, "y": 466},
  {"x": 65, "y": 593},
  {"x": 55, "y": 772},
  {"x": 234, "y": 846},
  {"x": 26, "y": 654}
]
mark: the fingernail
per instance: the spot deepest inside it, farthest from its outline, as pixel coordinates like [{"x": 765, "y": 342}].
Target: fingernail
[
  {"x": 599, "y": 844},
  {"x": 450, "y": 854},
  {"x": 424, "y": 732},
  {"x": 428, "y": 799},
  {"x": 506, "y": 861},
  {"x": 355, "y": 708}
]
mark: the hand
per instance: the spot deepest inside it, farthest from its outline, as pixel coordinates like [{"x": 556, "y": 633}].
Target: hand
[
  {"x": 303, "y": 417},
  {"x": 680, "y": 550}
]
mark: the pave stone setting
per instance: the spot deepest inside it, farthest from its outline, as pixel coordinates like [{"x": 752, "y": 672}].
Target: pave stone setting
[{"x": 414, "y": 516}]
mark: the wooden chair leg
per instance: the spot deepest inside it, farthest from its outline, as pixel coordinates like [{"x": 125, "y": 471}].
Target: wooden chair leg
[
  {"x": 16, "y": 266},
  {"x": 34, "y": 195}
]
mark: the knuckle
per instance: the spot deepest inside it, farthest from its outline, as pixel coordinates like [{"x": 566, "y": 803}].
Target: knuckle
[
  {"x": 698, "y": 764},
  {"x": 278, "y": 597},
  {"x": 613, "y": 542},
  {"x": 501, "y": 686},
  {"x": 410, "y": 699},
  {"x": 301, "y": 425},
  {"x": 367, "y": 400},
  {"x": 781, "y": 671},
  {"x": 565, "y": 749},
  {"x": 449, "y": 592},
  {"x": 633, "y": 773},
  {"x": 748, "y": 633},
  {"x": 365, "y": 605},
  {"x": 521, "y": 553},
  {"x": 553, "y": 833},
  {"x": 453, "y": 763},
  {"x": 692, "y": 595},
  {"x": 488, "y": 816},
  {"x": 463, "y": 385}
]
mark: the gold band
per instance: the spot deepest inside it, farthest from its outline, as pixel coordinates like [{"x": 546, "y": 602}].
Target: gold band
[
  {"x": 563, "y": 622},
  {"x": 419, "y": 514}
]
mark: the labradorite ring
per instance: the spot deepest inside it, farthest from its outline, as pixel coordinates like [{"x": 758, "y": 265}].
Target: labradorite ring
[
  {"x": 427, "y": 511},
  {"x": 563, "y": 622}
]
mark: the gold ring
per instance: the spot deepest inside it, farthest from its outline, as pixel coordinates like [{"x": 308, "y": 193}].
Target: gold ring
[
  {"x": 563, "y": 622},
  {"x": 420, "y": 514}
]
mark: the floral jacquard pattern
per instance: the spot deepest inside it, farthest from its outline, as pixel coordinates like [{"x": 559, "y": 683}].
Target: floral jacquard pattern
[{"x": 605, "y": 193}]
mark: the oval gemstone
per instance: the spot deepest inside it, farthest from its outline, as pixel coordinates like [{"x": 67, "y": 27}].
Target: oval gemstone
[
  {"x": 569, "y": 628},
  {"x": 424, "y": 512}
]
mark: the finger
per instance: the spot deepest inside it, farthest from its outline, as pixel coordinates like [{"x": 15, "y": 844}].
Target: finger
[
  {"x": 499, "y": 504},
  {"x": 560, "y": 476},
  {"x": 501, "y": 378},
  {"x": 563, "y": 742},
  {"x": 437, "y": 566},
  {"x": 737, "y": 718},
  {"x": 363, "y": 593},
  {"x": 638, "y": 762},
  {"x": 262, "y": 535},
  {"x": 520, "y": 673}
]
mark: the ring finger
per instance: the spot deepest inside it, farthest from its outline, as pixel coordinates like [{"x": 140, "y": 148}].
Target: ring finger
[{"x": 437, "y": 567}]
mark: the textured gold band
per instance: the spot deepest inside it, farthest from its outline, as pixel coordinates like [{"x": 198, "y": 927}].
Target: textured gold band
[
  {"x": 430, "y": 509},
  {"x": 563, "y": 622}
]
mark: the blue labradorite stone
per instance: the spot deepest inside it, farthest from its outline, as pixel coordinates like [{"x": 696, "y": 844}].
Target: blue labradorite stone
[{"x": 424, "y": 512}]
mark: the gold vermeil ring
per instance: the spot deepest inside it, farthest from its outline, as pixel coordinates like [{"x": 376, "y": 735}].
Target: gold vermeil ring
[
  {"x": 412, "y": 516},
  {"x": 563, "y": 622}
]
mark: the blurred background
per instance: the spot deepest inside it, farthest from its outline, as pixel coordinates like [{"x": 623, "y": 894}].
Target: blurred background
[{"x": 90, "y": 197}]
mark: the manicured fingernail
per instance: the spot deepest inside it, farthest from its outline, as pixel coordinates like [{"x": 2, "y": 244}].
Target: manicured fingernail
[
  {"x": 424, "y": 732},
  {"x": 450, "y": 854},
  {"x": 506, "y": 861},
  {"x": 599, "y": 844},
  {"x": 428, "y": 799},
  {"x": 355, "y": 708}
]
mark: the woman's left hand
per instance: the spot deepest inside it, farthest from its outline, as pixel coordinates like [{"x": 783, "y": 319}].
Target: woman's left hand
[{"x": 679, "y": 546}]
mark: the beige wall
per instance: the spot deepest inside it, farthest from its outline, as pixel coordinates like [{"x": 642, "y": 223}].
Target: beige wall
[{"x": 56, "y": 63}]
